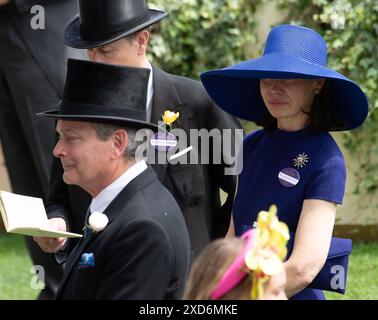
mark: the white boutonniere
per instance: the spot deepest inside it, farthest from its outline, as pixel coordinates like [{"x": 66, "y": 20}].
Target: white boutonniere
[{"x": 98, "y": 221}]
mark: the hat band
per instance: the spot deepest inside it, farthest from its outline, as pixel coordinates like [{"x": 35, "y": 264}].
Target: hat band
[
  {"x": 90, "y": 110},
  {"x": 94, "y": 33}
]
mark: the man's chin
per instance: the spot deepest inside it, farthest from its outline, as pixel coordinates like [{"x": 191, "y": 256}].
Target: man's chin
[{"x": 68, "y": 179}]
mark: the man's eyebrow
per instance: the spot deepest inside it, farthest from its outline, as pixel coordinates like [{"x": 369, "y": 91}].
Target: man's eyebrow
[
  {"x": 66, "y": 130},
  {"x": 106, "y": 46}
]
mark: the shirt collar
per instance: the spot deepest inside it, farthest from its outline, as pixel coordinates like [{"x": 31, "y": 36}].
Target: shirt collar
[
  {"x": 107, "y": 195},
  {"x": 150, "y": 89}
]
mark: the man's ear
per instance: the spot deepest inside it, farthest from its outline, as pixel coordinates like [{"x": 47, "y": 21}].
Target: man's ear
[
  {"x": 120, "y": 141},
  {"x": 142, "y": 38}
]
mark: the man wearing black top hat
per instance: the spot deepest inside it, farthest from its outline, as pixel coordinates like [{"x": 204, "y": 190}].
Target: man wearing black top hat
[
  {"x": 135, "y": 243},
  {"x": 115, "y": 32}
]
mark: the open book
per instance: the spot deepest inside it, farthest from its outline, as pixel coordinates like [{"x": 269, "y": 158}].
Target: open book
[{"x": 26, "y": 215}]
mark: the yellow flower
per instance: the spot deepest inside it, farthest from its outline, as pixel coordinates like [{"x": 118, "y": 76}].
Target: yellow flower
[
  {"x": 270, "y": 263},
  {"x": 278, "y": 239},
  {"x": 266, "y": 256},
  {"x": 258, "y": 281},
  {"x": 264, "y": 218},
  {"x": 169, "y": 117},
  {"x": 264, "y": 260}
]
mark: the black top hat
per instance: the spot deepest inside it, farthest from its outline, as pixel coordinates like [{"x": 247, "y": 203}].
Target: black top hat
[
  {"x": 103, "y": 93},
  {"x": 103, "y": 21}
]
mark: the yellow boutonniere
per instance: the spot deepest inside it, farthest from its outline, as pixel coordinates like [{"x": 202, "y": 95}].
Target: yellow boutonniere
[
  {"x": 266, "y": 256},
  {"x": 169, "y": 117}
]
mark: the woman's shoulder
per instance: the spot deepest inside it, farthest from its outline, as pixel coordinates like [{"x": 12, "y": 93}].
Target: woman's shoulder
[
  {"x": 253, "y": 136},
  {"x": 329, "y": 154},
  {"x": 252, "y": 139},
  {"x": 329, "y": 146}
]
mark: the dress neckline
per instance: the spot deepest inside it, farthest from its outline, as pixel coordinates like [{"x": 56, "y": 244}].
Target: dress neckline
[{"x": 301, "y": 132}]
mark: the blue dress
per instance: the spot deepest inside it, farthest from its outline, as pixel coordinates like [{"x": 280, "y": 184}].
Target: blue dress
[{"x": 269, "y": 176}]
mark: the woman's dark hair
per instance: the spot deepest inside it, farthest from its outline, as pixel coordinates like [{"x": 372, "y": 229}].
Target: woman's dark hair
[{"x": 322, "y": 118}]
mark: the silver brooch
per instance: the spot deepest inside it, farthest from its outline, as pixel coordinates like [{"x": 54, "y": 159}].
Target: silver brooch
[{"x": 301, "y": 160}]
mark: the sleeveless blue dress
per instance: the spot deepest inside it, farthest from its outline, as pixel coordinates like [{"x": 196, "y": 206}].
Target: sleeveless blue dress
[{"x": 269, "y": 176}]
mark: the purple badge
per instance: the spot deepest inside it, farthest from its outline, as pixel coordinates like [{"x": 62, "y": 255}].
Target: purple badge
[
  {"x": 163, "y": 141},
  {"x": 288, "y": 177}
]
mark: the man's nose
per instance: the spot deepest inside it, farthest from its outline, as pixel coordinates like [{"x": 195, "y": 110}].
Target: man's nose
[{"x": 59, "y": 149}]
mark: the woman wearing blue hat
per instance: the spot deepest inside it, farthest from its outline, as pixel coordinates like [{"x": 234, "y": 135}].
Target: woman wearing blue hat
[{"x": 293, "y": 161}]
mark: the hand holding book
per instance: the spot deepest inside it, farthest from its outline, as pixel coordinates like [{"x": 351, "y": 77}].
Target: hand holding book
[
  {"x": 49, "y": 244},
  {"x": 26, "y": 215}
]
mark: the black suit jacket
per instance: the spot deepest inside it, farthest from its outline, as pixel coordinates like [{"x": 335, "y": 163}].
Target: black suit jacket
[
  {"x": 195, "y": 187},
  {"x": 143, "y": 253}
]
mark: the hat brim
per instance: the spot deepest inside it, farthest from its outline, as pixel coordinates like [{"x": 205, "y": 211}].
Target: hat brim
[
  {"x": 236, "y": 89},
  {"x": 138, "y": 124},
  {"x": 73, "y": 38}
]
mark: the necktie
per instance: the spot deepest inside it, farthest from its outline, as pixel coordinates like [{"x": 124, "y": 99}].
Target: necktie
[{"x": 87, "y": 229}]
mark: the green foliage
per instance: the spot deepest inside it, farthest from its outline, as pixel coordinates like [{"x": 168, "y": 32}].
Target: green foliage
[
  {"x": 353, "y": 52},
  {"x": 200, "y": 35},
  {"x": 15, "y": 269}
]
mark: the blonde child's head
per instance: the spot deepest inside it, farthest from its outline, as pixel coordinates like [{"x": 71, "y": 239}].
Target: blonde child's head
[{"x": 250, "y": 267}]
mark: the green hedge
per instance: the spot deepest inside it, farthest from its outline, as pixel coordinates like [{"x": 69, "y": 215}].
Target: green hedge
[{"x": 199, "y": 35}]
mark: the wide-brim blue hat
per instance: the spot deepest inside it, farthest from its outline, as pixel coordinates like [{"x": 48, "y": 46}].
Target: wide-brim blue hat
[{"x": 291, "y": 52}]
